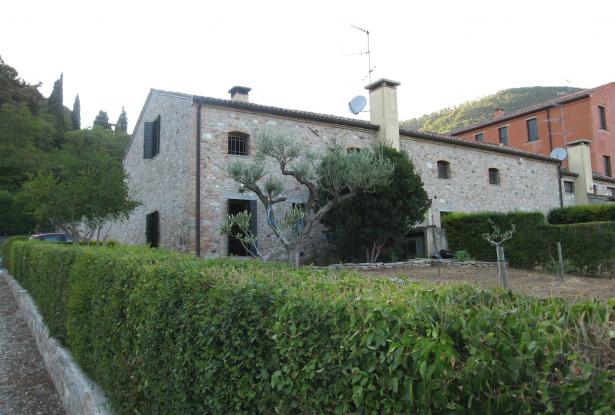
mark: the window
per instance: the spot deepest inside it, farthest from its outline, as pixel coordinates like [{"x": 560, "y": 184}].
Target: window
[
  {"x": 151, "y": 138},
  {"x": 238, "y": 144},
  {"x": 503, "y": 134},
  {"x": 494, "y": 176},
  {"x": 300, "y": 224},
  {"x": 611, "y": 191},
  {"x": 152, "y": 229},
  {"x": 235, "y": 206},
  {"x": 479, "y": 137},
  {"x": 444, "y": 169},
  {"x": 568, "y": 186},
  {"x": 607, "y": 166},
  {"x": 532, "y": 130},
  {"x": 595, "y": 189},
  {"x": 602, "y": 117}
]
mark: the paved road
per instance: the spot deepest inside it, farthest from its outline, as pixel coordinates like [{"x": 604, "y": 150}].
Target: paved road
[{"x": 25, "y": 385}]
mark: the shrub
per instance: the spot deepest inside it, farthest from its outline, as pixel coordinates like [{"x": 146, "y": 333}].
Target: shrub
[
  {"x": 526, "y": 248},
  {"x": 587, "y": 247},
  {"x": 166, "y": 333},
  {"x": 5, "y": 249},
  {"x": 582, "y": 214}
]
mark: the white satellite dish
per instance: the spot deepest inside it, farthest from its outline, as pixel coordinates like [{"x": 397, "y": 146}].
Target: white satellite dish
[
  {"x": 559, "y": 153},
  {"x": 357, "y": 104}
]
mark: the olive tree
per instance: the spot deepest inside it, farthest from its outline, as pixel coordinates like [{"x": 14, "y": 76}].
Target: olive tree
[{"x": 325, "y": 180}]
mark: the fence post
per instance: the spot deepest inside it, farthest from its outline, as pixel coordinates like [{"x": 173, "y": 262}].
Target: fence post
[
  {"x": 560, "y": 263},
  {"x": 502, "y": 266}
]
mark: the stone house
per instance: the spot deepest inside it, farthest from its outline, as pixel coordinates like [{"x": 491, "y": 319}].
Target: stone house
[
  {"x": 182, "y": 144},
  {"x": 582, "y": 122}
]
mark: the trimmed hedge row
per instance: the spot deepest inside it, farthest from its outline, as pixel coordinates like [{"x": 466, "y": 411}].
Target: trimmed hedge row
[
  {"x": 589, "y": 248},
  {"x": 165, "y": 333},
  {"x": 5, "y": 249},
  {"x": 582, "y": 214}
]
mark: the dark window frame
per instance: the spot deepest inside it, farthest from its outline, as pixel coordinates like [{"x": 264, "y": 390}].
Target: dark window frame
[
  {"x": 480, "y": 137},
  {"x": 503, "y": 141},
  {"x": 608, "y": 172},
  {"x": 494, "y": 176},
  {"x": 611, "y": 191},
  {"x": 151, "y": 138},
  {"x": 602, "y": 117},
  {"x": 238, "y": 143},
  {"x": 444, "y": 169},
  {"x": 152, "y": 229},
  {"x": 532, "y": 133},
  {"x": 568, "y": 187}
]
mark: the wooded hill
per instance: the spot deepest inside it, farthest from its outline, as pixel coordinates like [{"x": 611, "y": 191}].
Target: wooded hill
[{"x": 475, "y": 111}]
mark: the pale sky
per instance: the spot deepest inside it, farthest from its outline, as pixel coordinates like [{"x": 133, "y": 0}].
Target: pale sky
[{"x": 296, "y": 54}]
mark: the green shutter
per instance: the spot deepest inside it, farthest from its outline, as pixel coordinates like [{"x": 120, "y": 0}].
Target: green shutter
[{"x": 147, "y": 140}]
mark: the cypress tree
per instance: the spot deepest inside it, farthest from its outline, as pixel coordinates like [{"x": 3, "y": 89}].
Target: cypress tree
[
  {"x": 122, "y": 123},
  {"x": 56, "y": 102},
  {"x": 75, "y": 116},
  {"x": 102, "y": 120}
]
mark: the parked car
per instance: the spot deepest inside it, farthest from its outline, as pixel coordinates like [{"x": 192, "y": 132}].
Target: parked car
[{"x": 51, "y": 237}]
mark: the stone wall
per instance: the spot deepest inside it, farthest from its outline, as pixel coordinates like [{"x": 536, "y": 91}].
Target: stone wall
[
  {"x": 217, "y": 187},
  {"x": 165, "y": 182},
  {"x": 526, "y": 184}
]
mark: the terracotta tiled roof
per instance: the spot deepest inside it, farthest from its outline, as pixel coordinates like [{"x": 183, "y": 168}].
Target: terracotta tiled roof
[
  {"x": 537, "y": 107},
  {"x": 474, "y": 144},
  {"x": 603, "y": 178},
  {"x": 312, "y": 116}
]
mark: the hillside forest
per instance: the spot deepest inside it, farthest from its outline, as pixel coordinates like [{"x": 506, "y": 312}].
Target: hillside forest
[{"x": 478, "y": 110}]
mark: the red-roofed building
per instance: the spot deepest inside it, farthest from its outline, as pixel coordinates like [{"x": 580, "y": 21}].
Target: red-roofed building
[{"x": 574, "y": 121}]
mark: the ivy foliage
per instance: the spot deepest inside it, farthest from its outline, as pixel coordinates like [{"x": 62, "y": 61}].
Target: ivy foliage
[{"x": 166, "y": 333}]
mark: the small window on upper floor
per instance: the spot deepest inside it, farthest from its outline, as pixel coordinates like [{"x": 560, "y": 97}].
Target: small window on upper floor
[
  {"x": 494, "y": 176},
  {"x": 151, "y": 138},
  {"x": 479, "y": 137},
  {"x": 532, "y": 129},
  {"x": 602, "y": 117},
  {"x": 607, "y": 166},
  {"x": 238, "y": 144},
  {"x": 444, "y": 169},
  {"x": 568, "y": 186},
  {"x": 503, "y": 135}
]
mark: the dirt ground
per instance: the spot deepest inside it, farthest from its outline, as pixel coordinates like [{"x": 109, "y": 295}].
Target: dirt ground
[{"x": 573, "y": 288}]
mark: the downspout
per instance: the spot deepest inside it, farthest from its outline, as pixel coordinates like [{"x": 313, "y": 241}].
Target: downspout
[
  {"x": 197, "y": 220},
  {"x": 559, "y": 164}
]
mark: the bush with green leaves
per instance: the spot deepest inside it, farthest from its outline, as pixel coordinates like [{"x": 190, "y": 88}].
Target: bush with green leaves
[
  {"x": 587, "y": 247},
  {"x": 168, "y": 333},
  {"x": 582, "y": 214}
]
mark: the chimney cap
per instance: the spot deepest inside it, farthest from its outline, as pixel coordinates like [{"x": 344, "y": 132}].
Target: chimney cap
[
  {"x": 382, "y": 82},
  {"x": 237, "y": 89}
]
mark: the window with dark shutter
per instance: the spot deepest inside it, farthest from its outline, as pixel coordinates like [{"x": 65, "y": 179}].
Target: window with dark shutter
[
  {"x": 238, "y": 143},
  {"x": 444, "y": 169},
  {"x": 152, "y": 230},
  {"x": 147, "y": 140},
  {"x": 151, "y": 138},
  {"x": 494, "y": 176},
  {"x": 503, "y": 134},
  {"x": 602, "y": 117},
  {"x": 607, "y": 166},
  {"x": 532, "y": 130}
]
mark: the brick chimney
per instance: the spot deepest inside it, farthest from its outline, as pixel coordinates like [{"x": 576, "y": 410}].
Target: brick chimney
[
  {"x": 499, "y": 112},
  {"x": 240, "y": 93},
  {"x": 383, "y": 110}
]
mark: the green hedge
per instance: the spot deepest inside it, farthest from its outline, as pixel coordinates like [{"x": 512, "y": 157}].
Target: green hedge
[
  {"x": 165, "y": 333},
  {"x": 5, "y": 249},
  {"x": 582, "y": 214},
  {"x": 588, "y": 248},
  {"x": 526, "y": 249}
]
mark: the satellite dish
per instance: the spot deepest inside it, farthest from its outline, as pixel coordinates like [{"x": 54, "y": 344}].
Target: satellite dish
[
  {"x": 559, "y": 153},
  {"x": 357, "y": 104}
]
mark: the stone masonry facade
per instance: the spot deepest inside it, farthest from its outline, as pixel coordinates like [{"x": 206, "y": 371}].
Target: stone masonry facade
[{"x": 167, "y": 182}]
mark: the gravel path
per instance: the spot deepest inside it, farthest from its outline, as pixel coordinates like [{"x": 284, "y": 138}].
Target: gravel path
[{"x": 25, "y": 385}]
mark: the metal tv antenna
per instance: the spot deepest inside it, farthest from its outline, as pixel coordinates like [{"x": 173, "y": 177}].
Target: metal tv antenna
[{"x": 368, "y": 53}]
